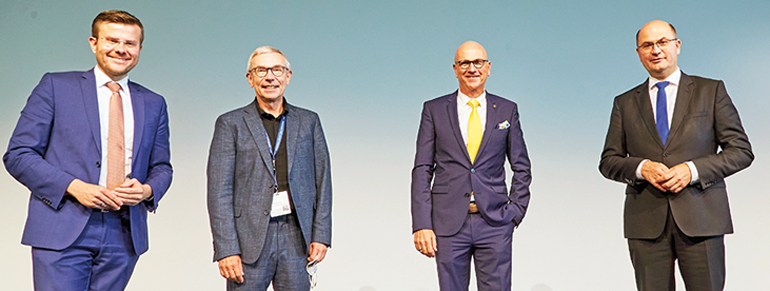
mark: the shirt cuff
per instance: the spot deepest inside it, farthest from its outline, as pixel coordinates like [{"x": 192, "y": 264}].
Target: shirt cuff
[
  {"x": 639, "y": 170},
  {"x": 693, "y": 173}
]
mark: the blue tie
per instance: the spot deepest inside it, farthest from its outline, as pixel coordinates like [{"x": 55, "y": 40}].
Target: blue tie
[{"x": 661, "y": 120}]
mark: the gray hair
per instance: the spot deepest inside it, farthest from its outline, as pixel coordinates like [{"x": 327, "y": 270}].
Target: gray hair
[{"x": 264, "y": 50}]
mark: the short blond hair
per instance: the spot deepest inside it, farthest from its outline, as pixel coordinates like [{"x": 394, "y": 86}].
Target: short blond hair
[{"x": 265, "y": 49}]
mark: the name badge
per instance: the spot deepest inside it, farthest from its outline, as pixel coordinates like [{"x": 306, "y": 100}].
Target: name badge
[{"x": 281, "y": 205}]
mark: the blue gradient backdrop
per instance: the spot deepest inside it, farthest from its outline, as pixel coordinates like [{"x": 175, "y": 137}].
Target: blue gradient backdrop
[{"x": 366, "y": 67}]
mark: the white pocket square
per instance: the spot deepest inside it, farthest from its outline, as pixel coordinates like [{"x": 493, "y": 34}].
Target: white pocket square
[{"x": 504, "y": 125}]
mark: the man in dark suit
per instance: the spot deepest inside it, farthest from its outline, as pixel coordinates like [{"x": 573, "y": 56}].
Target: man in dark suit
[
  {"x": 269, "y": 185},
  {"x": 663, "y": 141},
  {"x": 93, "y": 149},
  {"x": 467, "y": 212}
]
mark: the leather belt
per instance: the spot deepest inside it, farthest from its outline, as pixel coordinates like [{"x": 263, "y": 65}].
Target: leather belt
[{"x": 472, "y": 208}]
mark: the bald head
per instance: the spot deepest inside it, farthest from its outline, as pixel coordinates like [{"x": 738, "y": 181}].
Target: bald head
[
  {"x": 658, "y": 48},
  {"x": 657, "y": 25},
  {"x": 471, "y": 68},
  {"x": 470, "y": 47}
]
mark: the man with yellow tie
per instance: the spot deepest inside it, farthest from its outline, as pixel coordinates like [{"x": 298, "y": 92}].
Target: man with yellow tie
[{"x": 467, "y": 211}]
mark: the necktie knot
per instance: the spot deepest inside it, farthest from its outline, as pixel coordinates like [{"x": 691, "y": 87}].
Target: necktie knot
[
  {"x": 114, "y": 87},
  {"x": 662, "y": 85},
  {"x": 473, "y": 103}
]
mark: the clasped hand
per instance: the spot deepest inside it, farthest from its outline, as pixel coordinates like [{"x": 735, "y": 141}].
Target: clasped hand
[
  {"x": 667, "y": 180},
  {"x": 130, "y": 193}
]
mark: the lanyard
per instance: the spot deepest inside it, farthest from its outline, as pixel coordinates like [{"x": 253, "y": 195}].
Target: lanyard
[{"x": 274, "y": 151}]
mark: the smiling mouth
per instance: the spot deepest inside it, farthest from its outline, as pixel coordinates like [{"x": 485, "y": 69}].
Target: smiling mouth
[{"x": 270, "y": 87}]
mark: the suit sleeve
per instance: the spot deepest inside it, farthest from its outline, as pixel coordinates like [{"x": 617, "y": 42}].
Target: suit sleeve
[
  {"x": 422, "y": 173},
  {"x": 219, "y": 173},
  {"x": 615, "y": 162},
  {"x": 27, "y": 147},
  {"x": 521, "y": 167},
  {"x": 159, "y": 173},
  {"x": 736, "y": 151},
  {"x": 322, "y": 217}
]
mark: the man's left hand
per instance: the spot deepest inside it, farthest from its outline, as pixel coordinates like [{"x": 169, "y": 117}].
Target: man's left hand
[
  {"x": 132, "y": 192},
  {"x": 676, "y": 179},
  {"x": 317, "y": 252}
]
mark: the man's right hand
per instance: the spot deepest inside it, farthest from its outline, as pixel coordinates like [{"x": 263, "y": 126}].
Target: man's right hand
[
  {"x": 652, "y": 171},
  {"x": 94, "y": 196},
  {"x": 425, "y": 242},
  {"x": 231, "y": 268}
]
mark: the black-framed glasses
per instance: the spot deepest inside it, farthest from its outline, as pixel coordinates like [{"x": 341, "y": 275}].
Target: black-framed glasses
[
  {"x": 465, "y": 64},
  {"x": 277, "y": 71},
  {"x": 663, "y": 43}
]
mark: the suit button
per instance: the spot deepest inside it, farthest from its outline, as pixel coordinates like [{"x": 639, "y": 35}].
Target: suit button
[
  {"x": 467, "y": 195},
  {"x": 473, "y": 170},
  {"x": 266, "y": 212},
  {"x": 98, "y": 164},
  {"x": 666, "y": 154}
]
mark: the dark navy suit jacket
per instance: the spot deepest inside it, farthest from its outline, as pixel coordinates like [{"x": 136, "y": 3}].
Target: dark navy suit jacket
[
  {"x": 443, "y": 176},
  {"x": 57, "y": 140}
]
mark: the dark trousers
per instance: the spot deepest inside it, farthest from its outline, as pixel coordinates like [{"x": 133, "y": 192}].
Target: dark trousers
[
  {"x": 491, "y": 250},
  {"x": 102, "y": 258},
  {"x": 282, "y": 260},
  {"x": 701, "y": 260}
]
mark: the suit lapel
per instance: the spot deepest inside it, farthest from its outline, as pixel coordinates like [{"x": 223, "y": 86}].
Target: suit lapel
[
  {"x": 454, "y": 123},
  {"x": 292, "y": 132},
  {"x": 137, "y": 103},
  {"x": 91, "y": 104},
  {"x": 490, "y": 125},
  {"x": 257, "y": 129},
  {"x": 683, "y": 96},
  {"x": 642, "y": 100}
]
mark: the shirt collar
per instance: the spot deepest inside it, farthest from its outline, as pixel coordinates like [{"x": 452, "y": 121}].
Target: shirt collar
[
  {"x": 269, "y": 116},
  {"x": 463, "y": 99},
  {"x": 102, "y": 79},
  {"x": 673, "y": 79}
]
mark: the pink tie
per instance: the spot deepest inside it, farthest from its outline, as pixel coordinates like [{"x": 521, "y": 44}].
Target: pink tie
[{"x": 116, "y": 153}]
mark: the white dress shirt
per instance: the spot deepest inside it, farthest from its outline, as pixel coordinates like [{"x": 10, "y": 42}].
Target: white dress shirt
[
  {"x": 464, "y": 112},
  {"x": 103, "y": 95}
]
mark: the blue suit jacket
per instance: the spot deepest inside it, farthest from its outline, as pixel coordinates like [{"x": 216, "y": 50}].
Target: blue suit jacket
[
  {"x": 57, "y": 140},
  {"x": 240, "y": 184},
  {"x": 442, "y": 158}
]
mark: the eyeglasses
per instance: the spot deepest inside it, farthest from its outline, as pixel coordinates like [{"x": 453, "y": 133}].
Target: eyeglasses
[
  {"x": 277, "y": 71},
  {"x": 663, "y": 43},
  {"x": 465, "y": 64},
  {"x": 114, "y": 42}
]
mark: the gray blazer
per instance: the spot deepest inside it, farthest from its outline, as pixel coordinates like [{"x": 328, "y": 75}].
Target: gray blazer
[
  {"x": 704, "y": 121},
  {"x": 240, "y": 181}
]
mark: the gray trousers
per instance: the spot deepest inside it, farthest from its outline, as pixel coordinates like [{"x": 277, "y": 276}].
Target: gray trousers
[
  {"x": 282, "y": 260},
  {"x": 701, "y": 260}
]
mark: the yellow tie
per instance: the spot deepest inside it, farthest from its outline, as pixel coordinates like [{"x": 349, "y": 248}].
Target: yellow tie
[{"x": 474, "y": 130}]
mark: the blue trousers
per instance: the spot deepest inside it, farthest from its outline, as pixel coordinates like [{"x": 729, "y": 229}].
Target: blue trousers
[
  {"x": 491, "y": 250},
  {"x": 282, "y": 260},
  {"x": 101, "y": 258}
]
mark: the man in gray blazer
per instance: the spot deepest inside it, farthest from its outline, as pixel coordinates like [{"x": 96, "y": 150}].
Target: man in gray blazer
[
  {"x": 269, "y": 185},
  {"x": 663, "y": 141}
]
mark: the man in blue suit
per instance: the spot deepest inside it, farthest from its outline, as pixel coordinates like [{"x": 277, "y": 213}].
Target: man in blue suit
[
  {"x": 93, "y": 149},
  {"x": 467, "y": 212},
  {"x": 269, "y": 185}
]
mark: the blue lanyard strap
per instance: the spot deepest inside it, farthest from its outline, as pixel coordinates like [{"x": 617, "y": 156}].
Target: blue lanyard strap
[{"x": 274, "y": 151}]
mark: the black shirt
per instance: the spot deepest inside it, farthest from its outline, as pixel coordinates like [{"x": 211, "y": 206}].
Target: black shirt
[{"x": 272, "y": 125}]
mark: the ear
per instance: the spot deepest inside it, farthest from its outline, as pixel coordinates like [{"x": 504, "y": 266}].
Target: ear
[
  {"x": 92, "y": 42},
  {"x": 248, "y": 78},
  {"x": 288, "y": 77}
]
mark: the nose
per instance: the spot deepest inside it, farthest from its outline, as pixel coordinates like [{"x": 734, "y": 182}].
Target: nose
[
  {"x": 656, "y": 49},
  {"x": 472, "y": 69}
]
